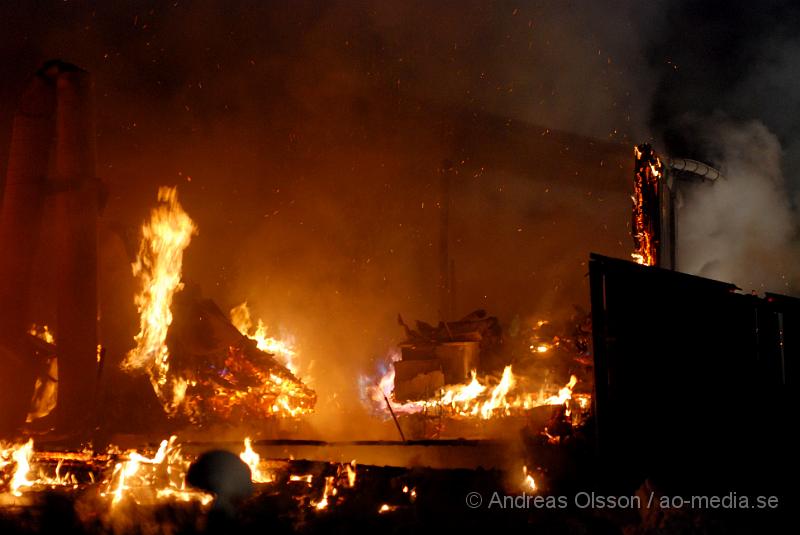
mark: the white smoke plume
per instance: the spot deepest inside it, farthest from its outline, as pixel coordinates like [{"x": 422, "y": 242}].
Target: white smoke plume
[{"x": 742, "y": 228}]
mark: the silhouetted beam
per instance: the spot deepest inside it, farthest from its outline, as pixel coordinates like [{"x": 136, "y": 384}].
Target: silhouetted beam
[
  {"x": 22, "y": 200},
  {"x": 76, "y": 199},
  {"x": 20, "y": 224}
]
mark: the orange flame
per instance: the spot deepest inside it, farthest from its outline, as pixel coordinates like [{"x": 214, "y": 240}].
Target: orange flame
[
  {"x": 528, "y": 484},
  {"x": 158, "y": 266},
  {"x": 473, "y": 399},
  {"x": 21, "y": 456},
  {"x": 241, "y": 319},
  {"x": 253, "y": 459},
  {"x": 327, "y": 492},
  {"x": 141, "y": 479}
]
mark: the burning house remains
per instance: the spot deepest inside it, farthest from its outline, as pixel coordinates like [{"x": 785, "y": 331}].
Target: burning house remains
[
  {"x": 199, "y": 365},
  {"x": 432, "y": 357},
  {"x": 202, "y": 421}
]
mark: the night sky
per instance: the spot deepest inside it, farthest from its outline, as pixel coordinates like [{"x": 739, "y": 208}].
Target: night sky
[{"x": 305, "y": 137}]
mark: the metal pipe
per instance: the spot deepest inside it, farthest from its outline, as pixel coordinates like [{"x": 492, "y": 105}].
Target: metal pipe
[{"x": 701, "y": 170}]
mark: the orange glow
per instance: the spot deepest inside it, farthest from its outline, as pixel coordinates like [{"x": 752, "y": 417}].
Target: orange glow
[
  {"x": 528, "y": 484},
  {"x": 42, "y": 333}
]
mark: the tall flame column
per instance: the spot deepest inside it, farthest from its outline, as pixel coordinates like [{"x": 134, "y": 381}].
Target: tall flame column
[{"x": 76, "y": 206}]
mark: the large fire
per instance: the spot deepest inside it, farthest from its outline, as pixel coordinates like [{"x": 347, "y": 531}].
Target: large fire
[
  {"x": 229, "y": 379},
  {"x": 158, "y": 266}
]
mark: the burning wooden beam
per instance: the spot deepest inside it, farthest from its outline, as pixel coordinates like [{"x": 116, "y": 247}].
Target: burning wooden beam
[{"x": 646, "y": 216}]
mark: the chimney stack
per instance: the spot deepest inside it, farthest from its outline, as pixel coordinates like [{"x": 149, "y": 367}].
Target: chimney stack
[{"x": 52, "y": 153}]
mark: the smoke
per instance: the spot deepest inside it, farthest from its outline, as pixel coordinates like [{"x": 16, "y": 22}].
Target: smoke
[
  {"x": 728, "y": 94},
  {"x": 741, "y": 228}
]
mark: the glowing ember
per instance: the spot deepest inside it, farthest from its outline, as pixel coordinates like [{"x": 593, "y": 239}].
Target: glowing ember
[
  {"x": 327, "y": 492},
  {"x": 241, "y": 319},
  {"x": 45, "y": 392},
  {"x": 138, "y": 477},
  {"x": 528, "y": 484},
  {"x": 645, "y": 223},
  {"x": 42, "y": 333},
  {"x": 148, "y": 479},
  {"x": 158, "y": 266},
  {"x": 347, "y": 474},
  {"x": 412, "y": 493}
]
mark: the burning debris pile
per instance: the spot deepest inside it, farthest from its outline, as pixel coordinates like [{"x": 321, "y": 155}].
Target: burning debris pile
[
  {"x": 114, "y": 476},
  {"x": 233, "y": 381},
  {"x": 282, "y": 349},
  {"x": 446, "y": 354},
  {"x": 200, "y": 365},
  {"x": 150, "y": 490},
  {"x": 437, "y": 370}
]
